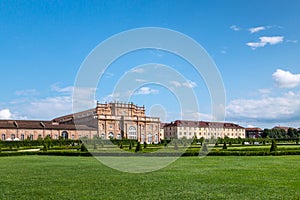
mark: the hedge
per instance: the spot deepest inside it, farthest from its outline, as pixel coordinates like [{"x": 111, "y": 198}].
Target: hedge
[{"x": 211, "y": 153}]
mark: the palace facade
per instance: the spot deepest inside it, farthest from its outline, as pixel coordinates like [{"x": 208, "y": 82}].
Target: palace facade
[
  {"x": 33, "y": 129},
  {"x": 109, "y": 120},
  {"x": 189, "y": 129},
  {"x": 119, "y": 121}
]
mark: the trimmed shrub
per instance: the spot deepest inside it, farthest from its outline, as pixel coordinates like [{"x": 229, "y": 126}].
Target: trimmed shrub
[
  {"x": 138, "y": 147},
  {"x": 204, "y": 148},
  {"x": 224, "y": 146},
  {"x": 83, "y": 148},
  {"x": 273, "y": 146},
  {"x": 175, "y": 146}
]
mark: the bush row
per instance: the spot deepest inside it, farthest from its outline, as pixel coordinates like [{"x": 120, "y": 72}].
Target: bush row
[{"x": 211, "y": 153}]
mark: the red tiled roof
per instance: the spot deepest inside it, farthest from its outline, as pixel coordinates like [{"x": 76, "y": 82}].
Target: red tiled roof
[
  {"x": 186, "y": 123},
  {"x": 32, "y": 124},
  {"x": 253, "y": 129}
]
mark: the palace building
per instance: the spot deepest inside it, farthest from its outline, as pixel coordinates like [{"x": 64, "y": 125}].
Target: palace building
[
  {"x": 33, "y": 129},
  {"x": 116, "y": 120},
  {"x": 109, "y": 120},
  {"x": 189, "y": 129}
]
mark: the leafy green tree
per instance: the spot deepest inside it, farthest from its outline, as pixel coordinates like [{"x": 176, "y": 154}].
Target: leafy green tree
[
  {"x": 60, "y": 140},
  {"x": 273, "y": 146},
  {"x": 40, "y": 140},
  {"x": 47, "y": 142}
]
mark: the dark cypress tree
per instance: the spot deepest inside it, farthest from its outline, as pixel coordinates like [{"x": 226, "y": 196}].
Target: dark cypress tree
[
  {"x": 204, "y": 147},
  {"x": 273, "y": 146},
  {"x": 224, "y": 145},
  {"x": 138, "y": 147}
]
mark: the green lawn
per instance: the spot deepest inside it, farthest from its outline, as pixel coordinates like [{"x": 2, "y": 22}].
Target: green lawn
[{"x": 52, "y": 177}]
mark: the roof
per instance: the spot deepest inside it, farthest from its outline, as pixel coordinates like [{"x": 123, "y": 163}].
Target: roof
[
  {"x": 253, "y": 129},
  {"x": 281, "y": 128},
  {"x": 47, "y": 125}
]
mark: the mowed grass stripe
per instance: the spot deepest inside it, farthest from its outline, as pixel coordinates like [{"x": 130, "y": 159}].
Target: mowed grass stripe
[{"x": 51, "y": 177}]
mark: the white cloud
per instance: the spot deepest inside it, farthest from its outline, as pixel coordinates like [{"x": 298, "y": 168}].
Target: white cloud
[
  {"x": 254, "y": 45},
  {"x": 29, "y": 92},
  {"x": 292, "y": 41},
  {"x": 266, "y": 40},
  {"x": 264, "y": 91},
  {"x": 146, "y": 90},
  {"x": 272, "y": 40},
  {"x": 282, "y": 108},
  {"x": 189, "y": 84},
  {"x": 56, "y": 88},
  {"x": 257, "y": 29},
  {"x": 235, "y": 28},
  {"x": 5, "y": 114},
  {"x": 285, "y": 79},
  {"x": 175, "y": 83},
  {"x": 140, "y": 80},
  {"x": 191, "y": 115},
  {"x": 49, "y": 108},
  {"x": 137, "y": 70}
]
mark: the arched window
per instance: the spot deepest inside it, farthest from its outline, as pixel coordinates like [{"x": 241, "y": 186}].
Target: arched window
[
  {"x": 3, "y": 137},
  {"x": 65, "y": 135},
  {"x": 132, "y": 133},
  {"x": 119, "y": 137},
  {"x": 156, "y": 138},
  {"x": 102, "y": 135},
  {"x": 149, "y": 138},
  {"x": 142, "y": 138},
  {"x": 13, "y": 136},
  {"x": 111, "y": 135}
]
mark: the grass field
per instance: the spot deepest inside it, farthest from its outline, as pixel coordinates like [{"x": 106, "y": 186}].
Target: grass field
[{"x": 52, "y": 177}]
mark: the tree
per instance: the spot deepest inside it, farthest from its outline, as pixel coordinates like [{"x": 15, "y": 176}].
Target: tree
[
  {"x": 273, "y": 146},
  {"x": 83, "y": 148},
  {"x": 130, "y": 145},
  {"x": 175, "y": 146},
  {"x": 145, "y": 145},
  {"x": 40, "y": 140},
  {"x": 138, "y": 147},
  {"x": 47, "y": 142},
  {"x": 165, "y": 143},
  {"x": 224, "y": 146}
]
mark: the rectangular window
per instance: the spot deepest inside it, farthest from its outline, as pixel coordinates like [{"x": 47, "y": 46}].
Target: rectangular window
[
  {"x": 3, "y": 137},
  {"x": 22, "y": 136}
]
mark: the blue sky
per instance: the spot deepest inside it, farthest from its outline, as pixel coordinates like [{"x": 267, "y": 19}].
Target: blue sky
[{"x": 254, "y": 44}]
